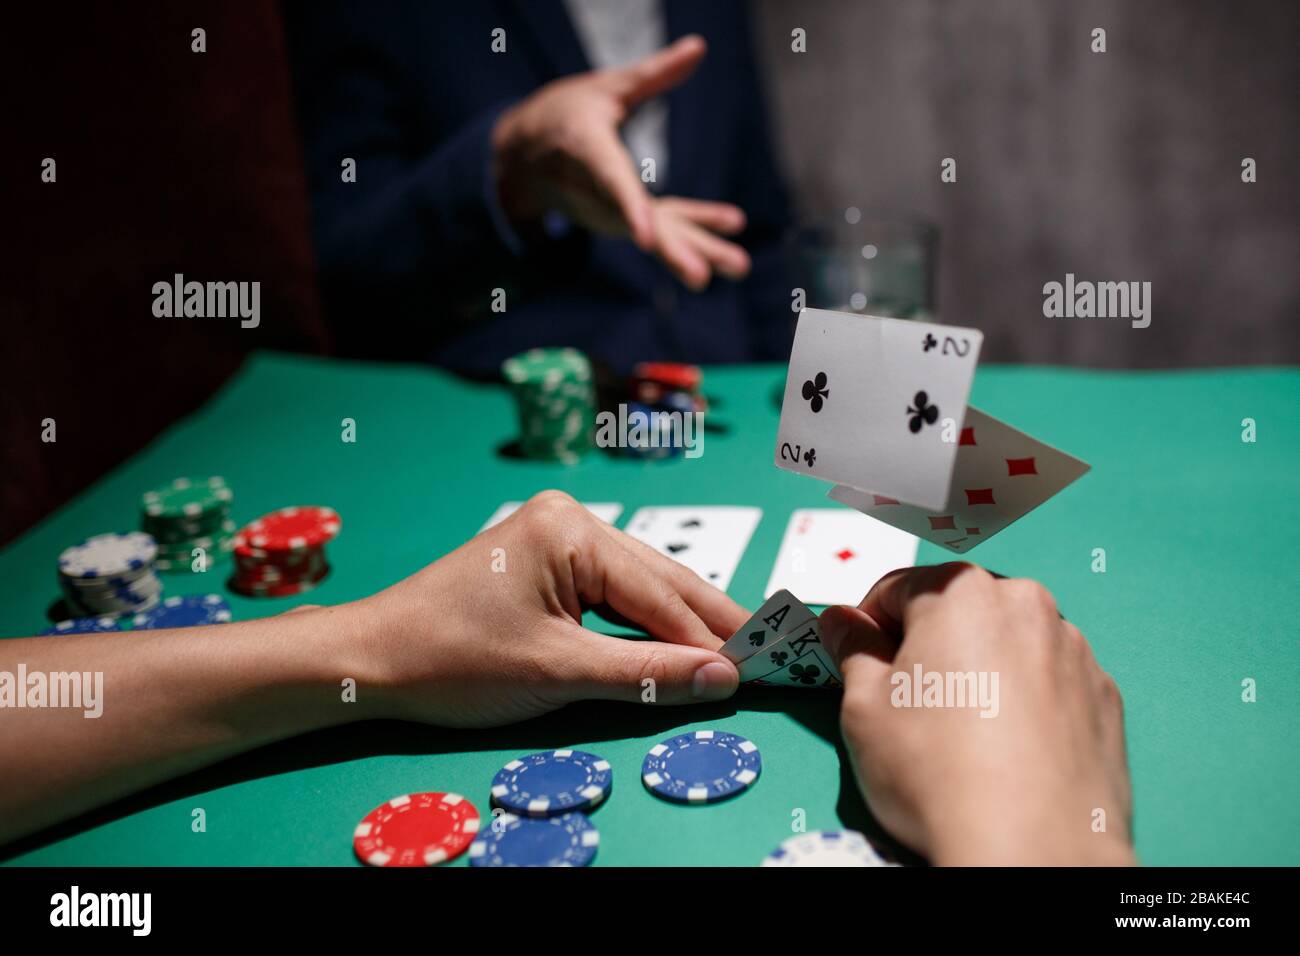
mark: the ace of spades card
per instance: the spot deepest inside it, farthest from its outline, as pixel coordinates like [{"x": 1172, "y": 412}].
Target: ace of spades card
[
  {"x": 779, "y": 614},
  {"x": 781, "y": 645},
  {"x": 710, "y": 540},
  {"x": 868, "y": 400}
]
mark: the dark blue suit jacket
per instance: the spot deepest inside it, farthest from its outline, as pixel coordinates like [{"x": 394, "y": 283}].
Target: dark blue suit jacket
[{"x": 411, "y": 252}]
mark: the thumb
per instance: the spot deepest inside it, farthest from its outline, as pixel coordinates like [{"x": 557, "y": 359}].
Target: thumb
[
  {"x": 862, "y": 651},
  {"x": 658, "y": 72},
  {"x": 648, "y": 671}
]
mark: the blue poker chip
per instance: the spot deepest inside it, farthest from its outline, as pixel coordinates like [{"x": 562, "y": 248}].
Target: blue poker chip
[
  {"x": 704, "y": 766},
  {"x": 566, "y": 840},
  {"x": 552, "y": 782},
  {"x": 187, "y": 611},
  {"x": 85, "y": 625}
]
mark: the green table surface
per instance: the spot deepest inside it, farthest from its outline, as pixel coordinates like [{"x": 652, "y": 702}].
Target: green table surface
[{"x": 1200, "y": 592}]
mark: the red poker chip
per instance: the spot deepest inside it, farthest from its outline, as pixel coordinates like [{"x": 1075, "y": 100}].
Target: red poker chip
[
  {"x": 289, "y": 529},
  {"x": 671, "y": 375},
  {"x": 417, "y": 829},
  {"x": 276, "y": 587},
  {"x": 304, "y": 562}
]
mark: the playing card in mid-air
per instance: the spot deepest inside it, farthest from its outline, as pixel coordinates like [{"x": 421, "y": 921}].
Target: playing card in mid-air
[
  {"x": 709, "y": 540},
  {"x": 607, "y": 511},
  {"x": 834, "y": 555},
  {"x": 868, "y": 402},
  {"x": 1000, "y": 475}
]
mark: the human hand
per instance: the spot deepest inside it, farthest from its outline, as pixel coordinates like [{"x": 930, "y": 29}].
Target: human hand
[
  {"x": 492, "y": 634},
  {"x": 1021, "y": 786},
  {"x": 559, "y": 149}
]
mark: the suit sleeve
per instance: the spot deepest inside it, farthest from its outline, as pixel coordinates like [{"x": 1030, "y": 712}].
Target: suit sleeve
[
  {"x": 411, "y": 210},
  {"x": 761, "y": 192}
]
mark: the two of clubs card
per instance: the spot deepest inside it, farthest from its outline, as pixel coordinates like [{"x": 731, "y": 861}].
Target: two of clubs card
[
  {"x": 878, "y": 408},
  {"x": 781, "y": 645}
]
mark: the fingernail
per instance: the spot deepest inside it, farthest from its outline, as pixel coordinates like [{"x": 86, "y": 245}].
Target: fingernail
[{"x": 714, "y": 681}]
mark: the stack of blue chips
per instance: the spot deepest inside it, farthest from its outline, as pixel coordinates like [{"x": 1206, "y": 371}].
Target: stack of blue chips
[
  {"x": 547, "y": 796},
  {"x": 188, "y": 611}
]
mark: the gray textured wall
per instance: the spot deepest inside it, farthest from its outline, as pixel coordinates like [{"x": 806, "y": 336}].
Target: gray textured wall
[{"x": 1116, "y": 166}]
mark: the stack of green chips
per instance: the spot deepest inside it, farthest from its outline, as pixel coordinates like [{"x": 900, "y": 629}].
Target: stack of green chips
[
  {"x": 556, "y": 396},
  {"x": 189, "y": 513}
]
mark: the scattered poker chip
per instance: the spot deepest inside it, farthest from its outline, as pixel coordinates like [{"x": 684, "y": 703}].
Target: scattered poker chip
[
  {"x": 566, "y": 840},
  {"x": 826, "y": 848},
  {"x": 85, "y": 625},
  {"x": 187, "y": 611},
  {"x": 416, "y": 829},
  {"x": 554, "y": 392},
  {"x": 552, "y": 782},
  {"x": 189, "y": 514},
  {"x": 704, "y": 766},
  {"x": 282, "y": 554}
]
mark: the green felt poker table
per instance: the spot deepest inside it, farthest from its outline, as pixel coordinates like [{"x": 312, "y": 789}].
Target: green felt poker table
[{"x": 1200, "y": 594}]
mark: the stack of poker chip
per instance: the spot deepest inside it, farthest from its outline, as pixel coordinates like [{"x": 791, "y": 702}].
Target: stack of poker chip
[
  {"x": 668, "y": 383},
  {"x": 110, "y": 574},
  {"x": 555, "y": 393},
  {"x": 189, "y": 513},
  {"x": 656, "y": 388},
  {"x": 283, "y": 553},
  {"x": 547, "y": 797}
]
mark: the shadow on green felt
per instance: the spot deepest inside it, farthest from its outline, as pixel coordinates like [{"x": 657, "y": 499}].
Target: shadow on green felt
[{"x": 592, "y": 721}]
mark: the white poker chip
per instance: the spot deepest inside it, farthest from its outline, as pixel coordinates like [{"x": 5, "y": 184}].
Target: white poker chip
[
  {"x": 826, "y": 848},
  {"x": 108, "y": 555}
]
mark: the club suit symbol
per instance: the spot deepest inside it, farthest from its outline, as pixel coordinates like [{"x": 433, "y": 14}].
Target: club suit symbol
[
  {"x": 815, "y": 392},
  {"x": 805, "y": 675},
  {"x": 810, "y": 457},
  {"x": 923, "y": 413},
  {"x": 928, "y": 342}
]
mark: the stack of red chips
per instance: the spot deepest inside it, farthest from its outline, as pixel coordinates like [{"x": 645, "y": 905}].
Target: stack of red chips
[
  {"x": 668, "y": 383},
  {"x": 283, "y": 553}
]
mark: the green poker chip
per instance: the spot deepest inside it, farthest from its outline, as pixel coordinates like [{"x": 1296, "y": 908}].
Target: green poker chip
[
  {"x": 555, "y": 396},
  {"x": 185, "y": 514},
  {"x": 187, "y": 498}
]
